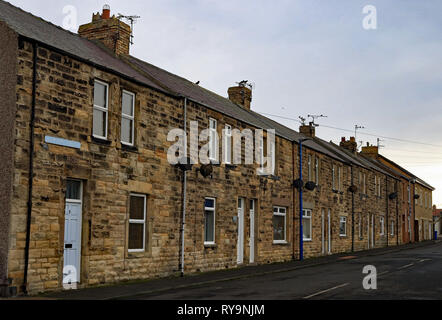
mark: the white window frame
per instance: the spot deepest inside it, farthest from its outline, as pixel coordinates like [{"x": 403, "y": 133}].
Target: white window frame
[
  {"x": 392, "y": 228},
  {"x": 214, "y": 220},
  {"x": 128, "y": 117},
  {"x": 342, "y": 220},
  {"x": 317, "y": 170},
  {"x": 137, "y": 221},
  {"x": 375, "y": 185},
  {"x": 307, "y": 214},
  {"x": 310, "y": 171},
  {"x": 360, "y": 225},
  {"x": 382, "y": 229},
  {"x": 278, "y": 213},
  {"x": 213, "y": 126},
  {"x": 364, "y": 185},
  {"x": 227, "y": 142},
  {"x": 101, "y": 109},
  {"x": 333, "y": 177},
  {"x": 339, "y": 178}
]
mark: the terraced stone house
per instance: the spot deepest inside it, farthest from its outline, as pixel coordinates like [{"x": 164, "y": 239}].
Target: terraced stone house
[{"x": 88, "y": 195}]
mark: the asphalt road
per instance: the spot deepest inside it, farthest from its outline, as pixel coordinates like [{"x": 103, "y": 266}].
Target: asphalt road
[{"x": 409, "y": 274}]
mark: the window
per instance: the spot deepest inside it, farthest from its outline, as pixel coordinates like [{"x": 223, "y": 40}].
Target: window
[
  {"x": 213, "y": 137},
  {"x": 364, "y": 186},
  {"x": 209, "y": 221},
  {"x": 310, "y": 173},
  {"x": 339, "y": 179},
  {"x": 382, "y": 229},
  {"x": 360, "y": 225},
  {"x": 317, "y": 171},
  {"x": 376, "y": 185},
  {"x": 100, "y": 117},
  {"x": 343, "y": 226},
  {"x": 392, "y": 228},
  {"x": 307, "y": 224},
  {"x": 334, "y": 177},
  {"x": 228, "y": 144},
  {"x": 137, "y": 223},
  {"x": 261, "y": 153},
  {"x": 409, "y": 194},
  {"x": 127, "y": 118},
  {"x": 279, "y": 224},
  {"x": 73, "y": 190}
]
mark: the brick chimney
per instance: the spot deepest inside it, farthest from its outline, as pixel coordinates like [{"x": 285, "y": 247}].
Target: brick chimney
[
  {"x": 307, "y": 130},
  {"x": 241, "y": 94},
  {"x": 371, "y": 151},
  {"x": 351, "y": 145},
  {"x": 112, "y": 32}
]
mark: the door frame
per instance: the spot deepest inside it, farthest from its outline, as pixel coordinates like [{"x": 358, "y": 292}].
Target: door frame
[
  {"x": 329, "y": 232},
  {"x": 240, "y": 242},
  {"x": 252, "y": 213},
  {"x": 80, "y": 240}
]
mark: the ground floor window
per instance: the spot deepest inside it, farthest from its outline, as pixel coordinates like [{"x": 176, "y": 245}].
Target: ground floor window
[
  {"x": 307, "y": 224},
  {"x": 343, "y": 226},
  {"x": 137, "y": 223},
  {"x": 392, "y": 228},
  {"x": 382, "y": 224},
  {"x": 279, "y": 224},
  {"x": 209, "y": 221}
]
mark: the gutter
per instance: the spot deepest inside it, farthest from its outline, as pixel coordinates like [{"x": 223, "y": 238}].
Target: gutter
[{"x": 31, "y": 169}]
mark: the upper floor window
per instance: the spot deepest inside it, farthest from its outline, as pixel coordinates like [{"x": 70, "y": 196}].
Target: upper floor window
[
  {"x": 334, "y": 177},
  {"x": 100, "y": 117},
  {"x": 127, "y": 118},
  {"x": 316, "y": 170},
  {"x": 310, "y": 163},
  {"x": 228, "y": 144},
  {"x": 213, "y": 141}
]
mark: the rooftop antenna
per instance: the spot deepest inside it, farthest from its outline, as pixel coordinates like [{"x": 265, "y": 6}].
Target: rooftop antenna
[
  {"x": 357, "y": 128},
  {"x": 246, "y": 83},
  {"x": 132, "y": 20},
  {"x": 314, "y": 117},
  {"x": 302, "y": 120}
]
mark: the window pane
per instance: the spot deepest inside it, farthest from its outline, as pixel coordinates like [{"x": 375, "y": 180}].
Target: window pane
[
  {"x": 100, "y": 95},
  {"x": 137, "y": 206},
  {"x": 136, "y": 236},
  {"x": 209, "y": 232},
  {"x": 306, "y": 228},
  {"x": 127, "y": 101},
  {"x": 99, "y": 123},
  {"x": 73, "y": 190},
  {"x": 126, "y": 130},
  {"x": 209, "y": 203},
  {"x": 278, "y": 227}
]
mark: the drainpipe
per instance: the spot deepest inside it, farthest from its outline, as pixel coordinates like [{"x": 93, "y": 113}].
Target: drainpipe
[
  {"x": 386, "y": 201},
  {"x": 352, "y": 213},
  {"x": 31, "y": 169},
  {"x": 301, "y": 234},
  {"x": 294, "y": 202},
  {"x": 397, "y": 213},
  {"x": 183, "y": 223}
]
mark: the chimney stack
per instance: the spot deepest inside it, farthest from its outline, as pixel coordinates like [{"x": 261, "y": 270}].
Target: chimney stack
[
  {"x": 351, "y": 145},
  {"x": 307, "y": 130},
  {"x": 371, "y": 151},
  {"x": 241, "y": 94},
  {"x": 109, "y": 30}
]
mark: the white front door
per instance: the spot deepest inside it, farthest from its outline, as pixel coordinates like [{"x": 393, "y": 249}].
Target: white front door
[
  {"x": 240, "y": 245},
  {"x": 72, "y": 233},
  {"x": 252, "y": 231},
  {"x": 329, "y": 232}
]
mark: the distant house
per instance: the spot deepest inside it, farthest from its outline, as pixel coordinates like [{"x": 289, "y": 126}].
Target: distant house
[{"x": 437, "y": 219}]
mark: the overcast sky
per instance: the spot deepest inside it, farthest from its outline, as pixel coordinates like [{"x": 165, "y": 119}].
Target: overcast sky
[{"x": 305, "y": 57}]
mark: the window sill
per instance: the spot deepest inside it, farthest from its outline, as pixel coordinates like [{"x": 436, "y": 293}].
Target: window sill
[
  {"x": 101, "y": 141},
  {"x": 281, "y": 243},
  {"x": 210, "y": 245},
  {"x": 342, "y": 236},
  {"x": 307, "y": 240},
  {"x": 126, "y": 147}
]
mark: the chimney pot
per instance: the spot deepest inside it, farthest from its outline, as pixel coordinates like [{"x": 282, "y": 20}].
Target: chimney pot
[
  {"x": 350, "y": 145},
  {"x": 106, "y": 12},
  {"x": 307, "y": 130}
]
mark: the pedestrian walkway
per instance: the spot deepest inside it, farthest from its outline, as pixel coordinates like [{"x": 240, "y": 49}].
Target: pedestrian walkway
[{"x": 119, "y": 291}]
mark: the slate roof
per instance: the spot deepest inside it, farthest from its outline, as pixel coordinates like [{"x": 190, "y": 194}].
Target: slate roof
[{"x": 35, "y": 28}]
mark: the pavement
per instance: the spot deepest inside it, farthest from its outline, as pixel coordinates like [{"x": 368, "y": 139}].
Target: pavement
[{"x": 242, "y": 277}]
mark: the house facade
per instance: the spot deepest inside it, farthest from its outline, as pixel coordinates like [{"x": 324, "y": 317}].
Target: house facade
[{"x": 90, "y": 196}]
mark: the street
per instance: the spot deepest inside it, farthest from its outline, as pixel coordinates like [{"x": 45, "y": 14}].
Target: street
[{"x": 408, "y": 274}]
